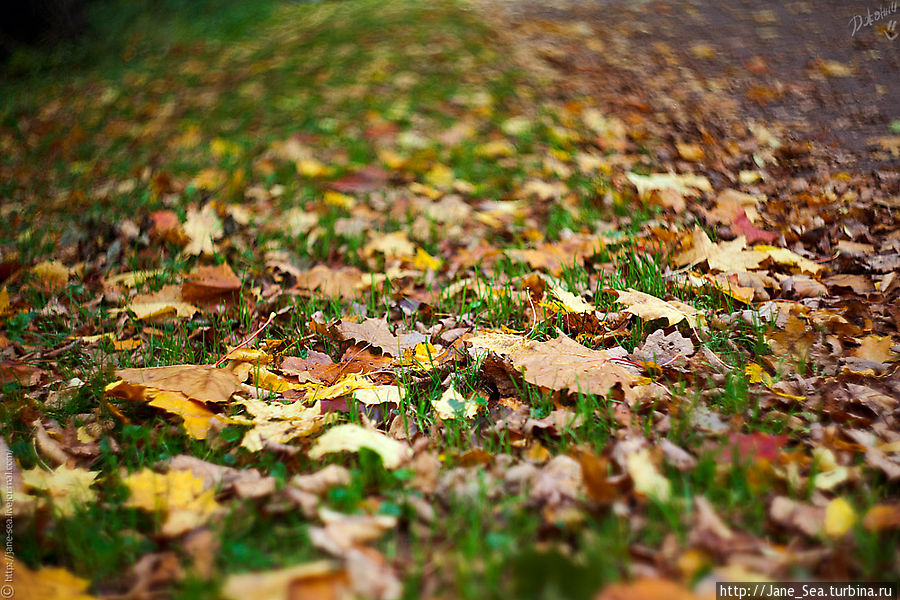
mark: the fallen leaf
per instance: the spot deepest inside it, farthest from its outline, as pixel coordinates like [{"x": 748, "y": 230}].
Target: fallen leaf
[
  {"x": 646, "y": 477},
  {"x": 877, "y": 348},
  {"x": 180, "y": 495},
  {"x": 47, "y": 583},
  {"x": 323, "y": 579},
  {"x": 560, "y": 363},
  {"x": 649, "y": 307},
  {"x": 202, "y": 228},
  {"x": 209, "y": 283},
  {"x": 839, "y": 518},
  {"x": 199, "y": 382},
  {"x": 647, "y": 589},
  {"x": 350, "y": 438},
  {"x": 52, "y": 274},
  {"x": 68, "y": 488},
  {"x": 724, "y": 256},
  {"x": 453, "y": 405},
  {"x": 377, "y": 333},
  {"x": 881, "y": 517},
  {"x": 166, "y": 302}
]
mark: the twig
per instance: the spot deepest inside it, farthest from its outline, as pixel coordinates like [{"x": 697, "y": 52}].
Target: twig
[{"x": 247, "y": 340}]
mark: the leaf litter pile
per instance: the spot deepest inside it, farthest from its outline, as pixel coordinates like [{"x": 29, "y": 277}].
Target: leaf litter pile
[{"x": 380, "y": 301}]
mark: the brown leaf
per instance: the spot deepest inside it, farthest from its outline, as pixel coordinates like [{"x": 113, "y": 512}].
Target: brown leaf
[
  {"x": 377, "y": 333},
  {"x": 560, "y": 363},
  {"x": 344, "y": 282},
  {"x": 198, "y": 382},
  {"x": 208, "y": 283}
]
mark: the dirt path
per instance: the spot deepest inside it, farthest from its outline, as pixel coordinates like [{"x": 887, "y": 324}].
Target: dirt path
[{"x": 707, "y": 68}]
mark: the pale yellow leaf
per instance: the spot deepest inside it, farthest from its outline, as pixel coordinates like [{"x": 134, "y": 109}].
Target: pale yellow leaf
[
  {"x": 453, "y": 405},
  {"x": 350, "y": 438}
]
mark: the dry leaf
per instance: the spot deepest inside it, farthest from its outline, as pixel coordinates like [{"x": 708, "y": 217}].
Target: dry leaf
[
  {"x": 453, "y": 405},
  {"x": 202, "y": 228},
  {"x": 179, "y": 494},
  {"x": 68, "y": 488},
  {"x": 649, "y": 307},
  {"x": 377, "y": 333},
  {"x": 350, "y": 438},
  {"x": 560, "y": 363},
  {"x": 210, "y": 283},
  {"x": 199, "y": 382},
  {"x": 166, "y": 302}
]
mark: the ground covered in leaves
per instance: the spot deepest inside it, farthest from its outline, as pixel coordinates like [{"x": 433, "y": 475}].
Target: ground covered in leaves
[{"x": 386, "y": 301}]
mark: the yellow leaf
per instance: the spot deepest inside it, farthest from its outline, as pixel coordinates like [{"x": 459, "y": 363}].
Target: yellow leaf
[
  {"x": 839, "y": 518},
  {"x": 724, "y": 256},
  {"x": 425, "y": 261},
  {"x": 52, "y": 274},
  {"x": 221, "y": 147},
  {"x": 650, "y": 307},
  {"x": 570, "y": 302},
  {"x": 381, "y": 394},
  {"x": 348, "y": 384},
  {"x": 178, "y": 494},
  {"x": 783, "y": 256},
  {"x": 265, "y": 379},
  {"x": 310, "y": 167},
  {"x": 350, "y": 438},
  {"x": 197, "y": 418},
  {"x": 440, "y": 176},
  {"x": 647, "y": 479},
  {"x": 453, "y": 405},
  {"x": 68, "y": 488},
  {"x": 333, "y": 198},
  {"x": 755, "y": 374},
  {"x": 4, "y": 301},
  {"x": 48, "y": 583},
  {"x": 683, "y": 184},
  {"x": 495, "y": 149}
]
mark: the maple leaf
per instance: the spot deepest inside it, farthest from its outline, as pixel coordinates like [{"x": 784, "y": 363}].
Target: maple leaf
[
  {"x": 391, "y": 245},
  {"x": 181, "y": 495},
  {"x": 649, "y": 307},
  {"x": 202, "y": 228},
  {"x": 350, "y": 438},
  {"x": 69, "y": 488},
  {"x": 560, "y": 363},
  {"x": 377, "y": 333},
  {"x": 724, "y": 256}
]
